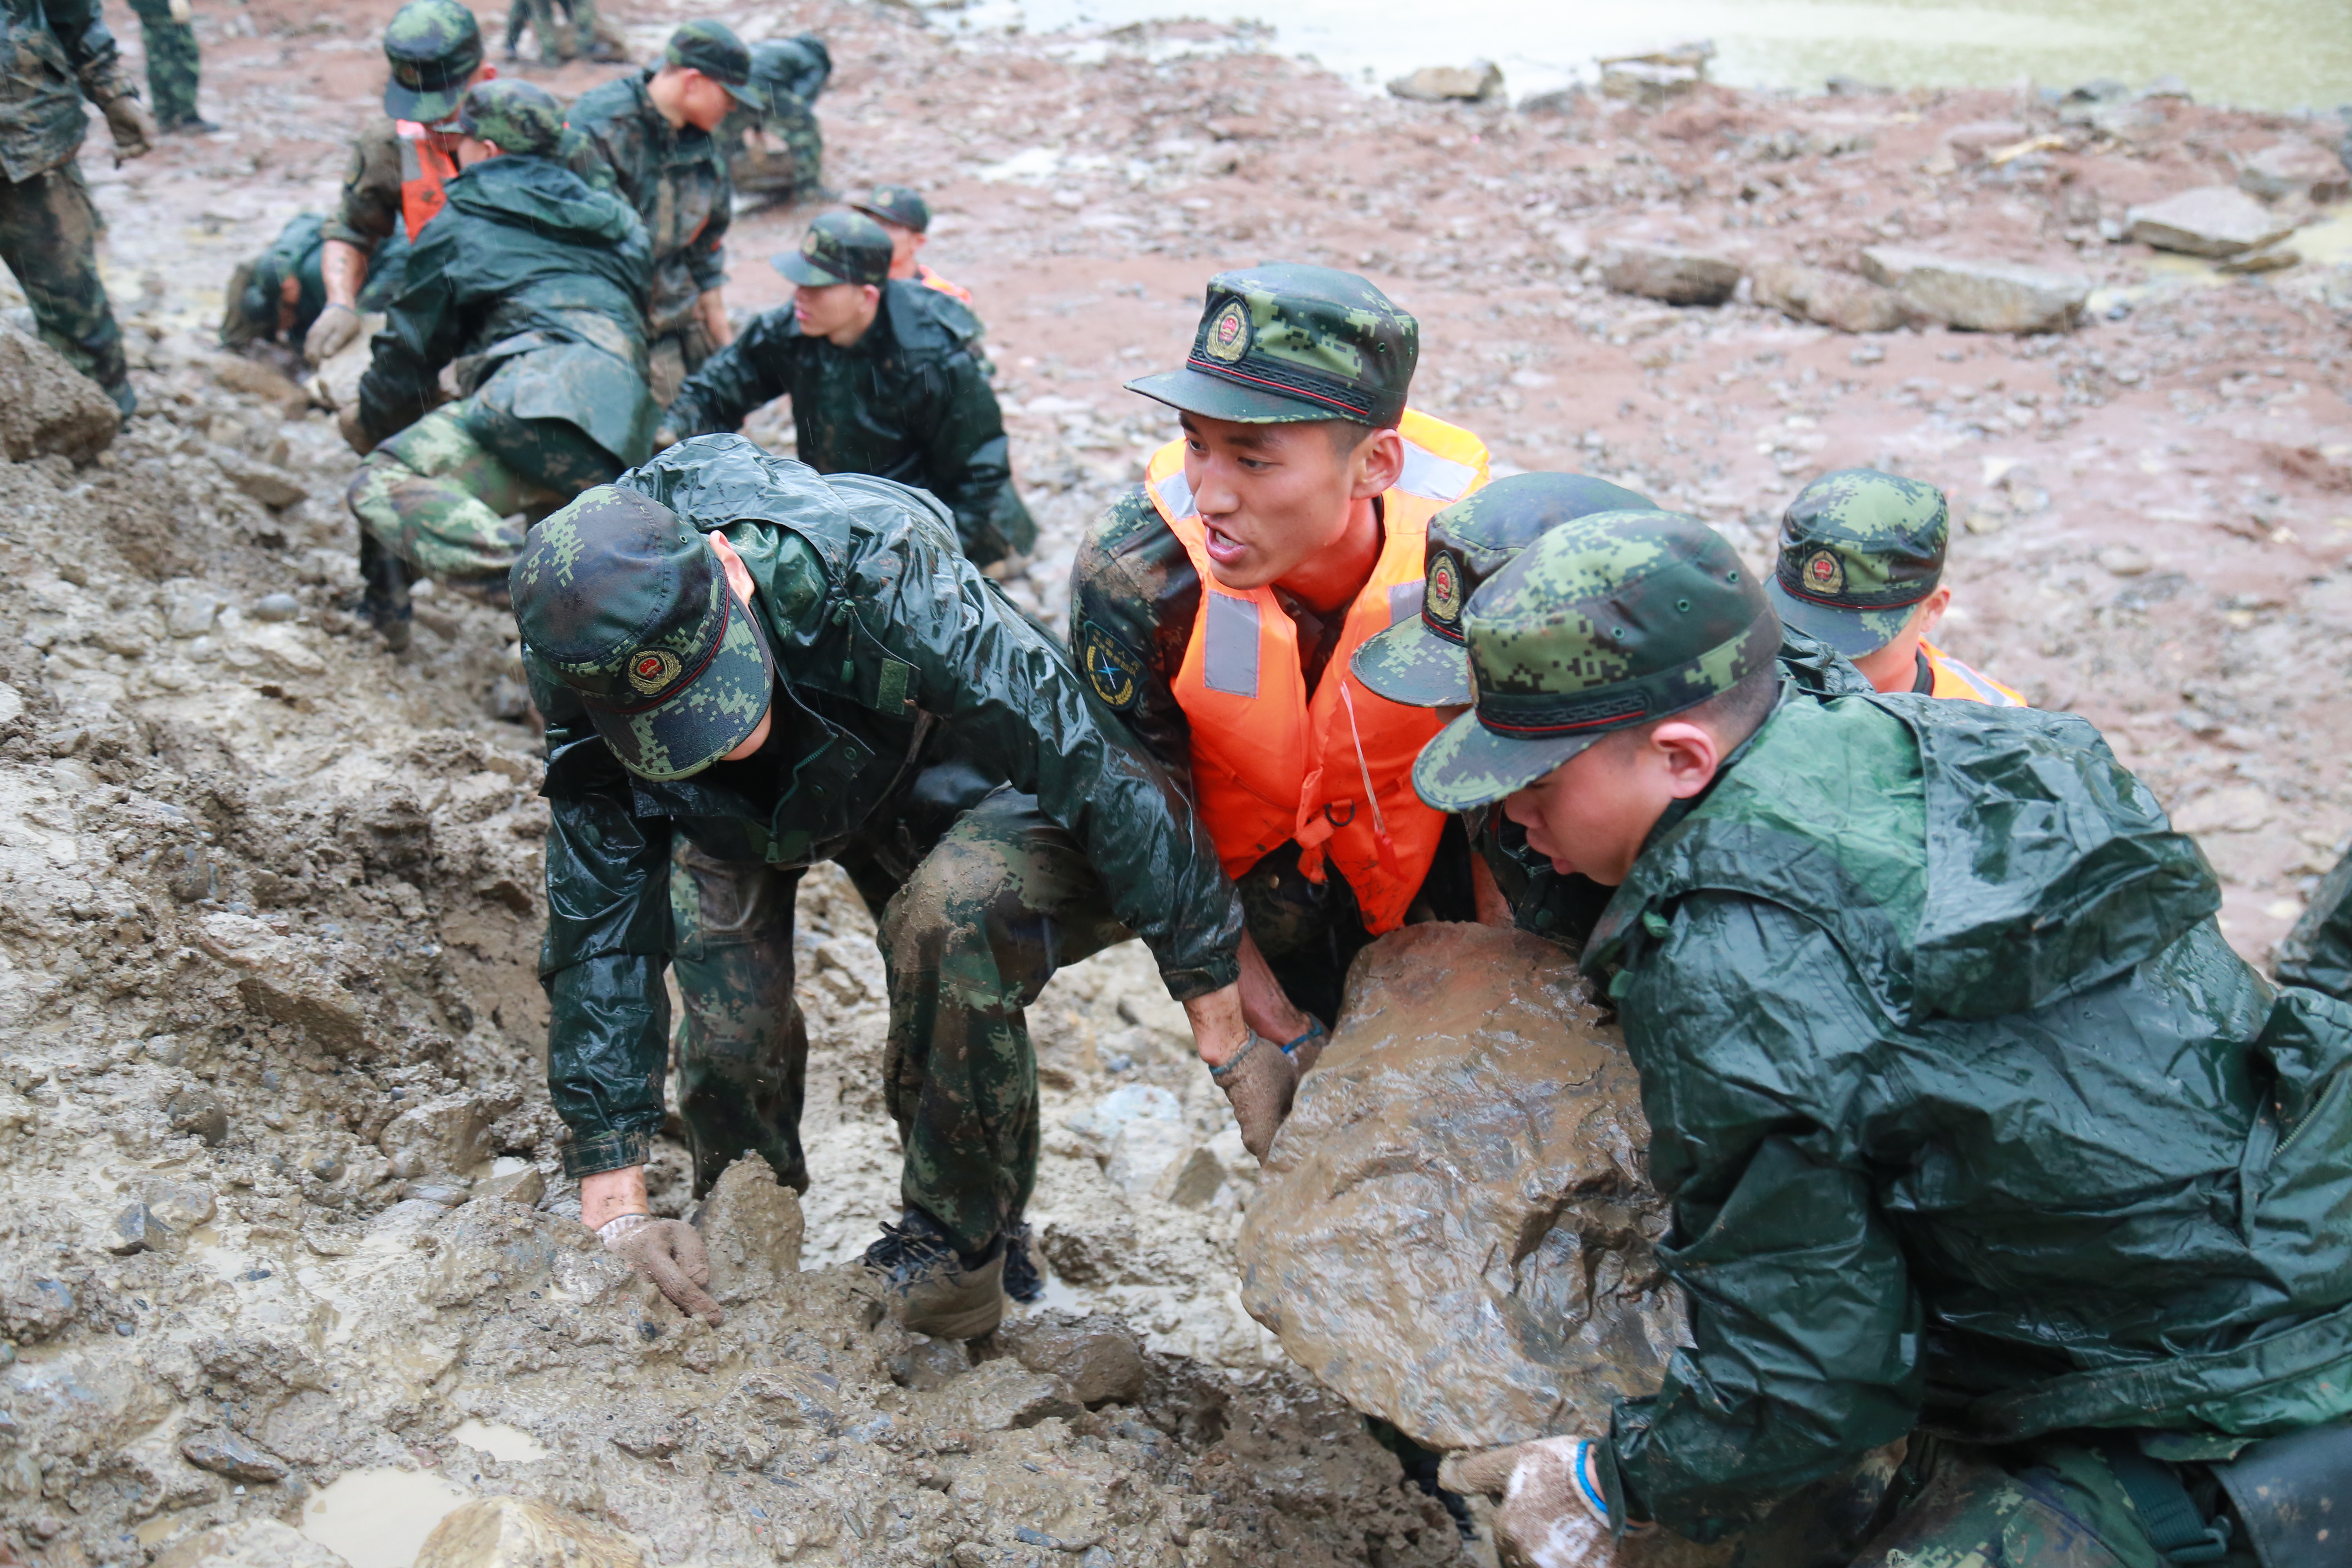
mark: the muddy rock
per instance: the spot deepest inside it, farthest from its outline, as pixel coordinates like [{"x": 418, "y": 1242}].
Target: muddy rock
[
  {"x": 182, "y": 1206},
  {"x": 287, "y": 979},
  {"x": 1839, "y": 299},
  {"x": 135, "y": 1229},
  {"x": 448, "y": 1135},
  {"x": 199, "y": 1111},
  {"x": 930, "y": 1363},
  {"x": 224, "y": 1453},
  {"x": 488, "y": 1246},
  {"x": 1980, "y": 296},
  {"x": 752, "y": 1228},
  {"x": 1452, "y": 1230},
  {"x": 1667, "y": 272},
  {"x": 272, "y": 486},
  {"x": 512, "y": 1532},
  {"x": 32, "y": 1308},
  {"x": 1097, "y": 1355},
  {"x": 525, "y": 1186},
  {"x": 1001, "y": 1395},
  {"x": 1473, "y": 83},
  {"x": 260, "y": 1543},
  {"x": 2212, "y": 220},
  {"x": 48, "y": 408},
  {"x": 2295, "y": 168}
]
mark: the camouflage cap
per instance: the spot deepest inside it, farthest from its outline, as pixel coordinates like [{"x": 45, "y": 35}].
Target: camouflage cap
[
  {"x": 520, "y": 116},
  {"x": 1858, "y": 550},
  {"x": 434, "y": 47},
  {"x": 712, "y": 49},
  {"x": 791, "y": 67},
  {"x": 901, "y": 205},
  {"x": 1422, "y": 662},
  {"x": 839, "y": 247},
  {"x": 625, "y": 603},
  {"x": 1284, "y": 343},
  {"x": 1606, "y": 622}
]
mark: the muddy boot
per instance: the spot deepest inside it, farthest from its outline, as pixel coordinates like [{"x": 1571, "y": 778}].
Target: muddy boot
[
  {"x": 932, "y": 1288},
  {"x": 384, "y": 601},
  {"x": 1021, "y": 1280}
]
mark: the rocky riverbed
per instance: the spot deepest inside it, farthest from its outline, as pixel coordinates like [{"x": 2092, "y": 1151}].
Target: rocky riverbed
[{"x": 284, "y": 1240}]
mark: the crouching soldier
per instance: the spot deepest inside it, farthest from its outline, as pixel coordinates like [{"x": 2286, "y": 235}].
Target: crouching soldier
[
  {"x": 535, "y": 285},
  {"x": 1985, "y": 1149},
  {"x": 778, "y": 668},
  {"x": 779, "y": 151}
]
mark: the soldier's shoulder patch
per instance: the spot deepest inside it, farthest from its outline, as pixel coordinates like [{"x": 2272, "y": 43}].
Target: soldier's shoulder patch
[{"x": 1113, "y": 672}]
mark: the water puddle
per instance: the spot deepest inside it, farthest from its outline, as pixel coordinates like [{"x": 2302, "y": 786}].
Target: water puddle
[
  {"x": 507, "y": 1445},
  {"x": 379, "y": 1517}
]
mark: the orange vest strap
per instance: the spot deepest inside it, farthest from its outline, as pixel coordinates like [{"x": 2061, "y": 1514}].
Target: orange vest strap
[
  {"x": 1958, "y": 681},
  {"x": 424, "y": 170}
]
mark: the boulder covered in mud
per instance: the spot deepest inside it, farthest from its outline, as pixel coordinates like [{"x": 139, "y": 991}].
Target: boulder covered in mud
[{"x": 1454, "y": 1230}]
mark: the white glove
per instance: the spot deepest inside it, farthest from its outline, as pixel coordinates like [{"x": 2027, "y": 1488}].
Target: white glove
[
  {"x": 331, "y": 333},
  {"x": 1554, "y": 1513}
]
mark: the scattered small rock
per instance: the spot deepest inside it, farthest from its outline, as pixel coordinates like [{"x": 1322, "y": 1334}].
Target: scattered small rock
[
  {"x": 1001, "y": 1395},
  {"x": 1839, "y": 299},
  {"x": 271, "y": 485},
  {"x": 276, "y": 607},
  {"x": 2236, "y": 809},
  {"x": 226, "y": 1453},
  {"x": 1096, "y": 1355},
  {"x": 136, "y": 1229},
  {"x": 46, "y": 407},
  {"x": 1473, "y": 83},
  {"x": 1977, "y": 295},
  {"x": 200, "y": 1111},
  {"x": 1667, "y": 272},
  {"x": 2272, "y": 257},
  {"x": 259, "y": 1543},
  {"x": 933, "y": 1364},
  {"x": 1844, "y": 86},
  {"x": 2295, "y": 168},
  {"x": 1654, "y": 79},
  {"x": 2124, "y": 561},
  {"x": 2211, "y": 220},
  {"x": 525, "y": 1186},
  {"x": 510, "y": 1532},
  {"x": 446, "y": 1191},
  {"x": 445, "y": 1135}
]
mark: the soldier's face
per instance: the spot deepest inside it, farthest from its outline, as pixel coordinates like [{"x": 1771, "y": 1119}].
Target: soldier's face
[
  {"x": 1594, "y": 812},
  {"x": 904, "y": 243},
  {"x": 1275, "y": 497},
  {"x": 841, "y": 311}
]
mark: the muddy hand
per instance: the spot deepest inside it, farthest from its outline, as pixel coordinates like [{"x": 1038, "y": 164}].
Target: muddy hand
[
  {"x": 1258, "y": 1081},
  {"x": 133, "y": 128},
  {"x": 669, "y": 1253},
  {"x": 1554, "y": 1514},
  {"x": 331, "y": 333}
]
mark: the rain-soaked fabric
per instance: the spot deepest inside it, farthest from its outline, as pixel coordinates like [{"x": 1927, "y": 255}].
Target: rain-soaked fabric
[
  {"x": 368, "y": 213},
  {"x": 439, "y": 499},
  {"x": 899, "y": 665},
  {"x": 1967, "y": 1108},
  {"x": 2319, "y": 952},
  {"x": 676, "y": 179},
  {"x": 53, "y": 55},
  {"x": 48, "y": 240},
  {"x": 172, "y": 63}
]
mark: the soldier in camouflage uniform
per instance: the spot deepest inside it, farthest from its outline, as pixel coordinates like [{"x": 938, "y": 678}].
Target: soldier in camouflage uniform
[
  {"x": 534, "y": 284},
  {"x": 580, "y": 31},
  {"x": 1985, "y": 1150},
  {"x": 780, "y": 154},
  {"x": 905, "y": 217},
  {"x": 779, "y": 668},
  {"x": 56, "y": 55},
  {"x": 654, "y": 130},
  {"x": 276, "y": 297},
  {"x": 172, "y": 63},
  {"x": 884, "y": 379}
]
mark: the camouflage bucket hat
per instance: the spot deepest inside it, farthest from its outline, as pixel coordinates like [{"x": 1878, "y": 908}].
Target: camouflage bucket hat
[
  {"x": 839, "y": 247},
  {"x": 520, "y": 116},
  {"x": 1606, "y": 622},
  {"x": 1284, "y": 343},
  {"x": 625, "y": 603},
  {"x": 712, "y": 49},
  {"x": 1858, "y": 550},
  {"x": 1422, "y": 662},
  {"x": 900, "y": 205},
  {"x": 434, "y": 46}
]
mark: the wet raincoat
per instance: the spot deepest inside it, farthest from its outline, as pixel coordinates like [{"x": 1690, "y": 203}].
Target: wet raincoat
[{"x": 1971, "y": 1118}]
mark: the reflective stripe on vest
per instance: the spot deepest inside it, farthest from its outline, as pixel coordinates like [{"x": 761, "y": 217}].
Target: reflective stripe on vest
[
  {"x": 1954, "y": 679},
  {"x": 423, "y": 169},
  {"x": 1334, "y": 773},
  {"x": 930, "y": 279}
]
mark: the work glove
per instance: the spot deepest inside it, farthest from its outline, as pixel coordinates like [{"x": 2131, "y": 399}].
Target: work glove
[
  {"x": 1307, "y": 1047},
  {"x": 330, "y": 334},
  {"x": 1258, "y": 1081},
  {"x": 1554, "y": 1513},
  {"x": 669, "y": 1253},
  {"x": 134, "y": 127}
]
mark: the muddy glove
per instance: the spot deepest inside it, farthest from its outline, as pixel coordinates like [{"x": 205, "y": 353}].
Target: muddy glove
[
  {"x": 1304, "y": 1050},
  {"x": 669, "y": 1253},
  {"x": 134, "y": 127},
  {"x": 1554, "y": 1513},
  {"x": 1258, "y": 1081},
  {"x": 330, "y": 334}
]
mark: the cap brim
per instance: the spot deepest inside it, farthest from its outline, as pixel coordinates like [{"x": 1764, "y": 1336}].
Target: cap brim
[
  {"x": 1469, "y": 766},
  {"x": 798, "y": 268},
  {"x": 750, "y": 95},
  {"x": 1408, "y": 663},
  {"x": 1853, "y": 633},
  {"x": 423, "y": 106},
  {"x": 709, "y": 718},
  {"x": 1213, "y": 397}
]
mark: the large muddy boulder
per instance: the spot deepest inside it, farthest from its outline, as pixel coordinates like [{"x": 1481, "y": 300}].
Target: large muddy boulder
[
  {"x": 46, "y": 407},
  {"x": 1454, "y": 1230}
]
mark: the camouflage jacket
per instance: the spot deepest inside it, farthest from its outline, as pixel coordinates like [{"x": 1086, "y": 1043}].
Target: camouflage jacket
[
  {"x": 369, "y": 211},
  {"x": 892, "y": 654},
  {"x": 909, "y": 401},
  {"x": 524, "y": 257},
  {"x": 56, "y": 54},
  {"x": 677, "y": 182},
  {"x": 1970, "y": 1115}
]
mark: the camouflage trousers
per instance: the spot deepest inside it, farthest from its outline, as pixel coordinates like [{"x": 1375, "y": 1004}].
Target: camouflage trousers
[
  {"x": 674, "y": 356},
  {"x": 969, "y": 935},
  {"x": 569, "y": 38},
  {"x": 48, "y": 237},
  {"x": 443, "y": 495},
  {"x": 790, "y": 167},
  {"x": 171, "y": 62}
]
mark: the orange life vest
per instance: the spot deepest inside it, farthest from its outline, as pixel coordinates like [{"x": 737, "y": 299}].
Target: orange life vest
[
  {"x": 930, "y": 279},
  {"x": 423, "y": 169},
  {"x": 1958, "y": 680},
  {"x": 1336, "y": 772}
]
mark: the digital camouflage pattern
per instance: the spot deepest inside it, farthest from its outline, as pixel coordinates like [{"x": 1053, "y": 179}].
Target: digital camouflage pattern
[
  {"x": 433, "y": 47},
  {"x": 742, "y": 1046},
  {"x": 1605, "y": 622},
  {"x": 677, "y": 182},
  {"x": 901, "y": 205},
  {"x": 437, "y": 499},
  {"x": 1932, "y": 990},
  {"x": 839, "y": 247},
  {"x": 908, "y": 691},
  {"x": 2319, "y": 952},
  {"x": 519, "y": 116},
  {"x": 627, "y": 605},
  {"x": 1859, "y": 549},
  {"x": 909, "y": 402},
  {"x": 48, "y": 238},
  {"x": 711, "y": 48},
  {"x": 56, "y": 54},
  {"x": 1423, "y": 661},
  {"x": 173, "y": 64},
  {"x": 1286, "y": 342}
]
